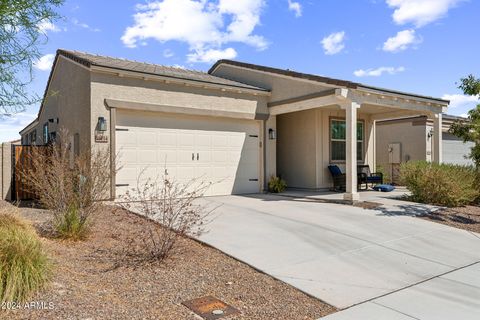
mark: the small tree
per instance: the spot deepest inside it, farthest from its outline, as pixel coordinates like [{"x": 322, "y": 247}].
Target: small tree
[
  {"x": 175, "y": 206},
  {"x": 470, "y": 130},
  {"x": 20, "y": 35},
  {"x": 71, "y": 185}
]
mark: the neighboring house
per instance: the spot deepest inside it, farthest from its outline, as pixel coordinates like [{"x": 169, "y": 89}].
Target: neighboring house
[
  {"x": 412, "y": 137},
  {"x": 236, "y": 125}
]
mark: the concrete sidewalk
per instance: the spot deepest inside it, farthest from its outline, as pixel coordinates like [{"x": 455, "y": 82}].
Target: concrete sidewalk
[
  {"x": 455, "y": 295},
  {"x": 350, "y": 256}
]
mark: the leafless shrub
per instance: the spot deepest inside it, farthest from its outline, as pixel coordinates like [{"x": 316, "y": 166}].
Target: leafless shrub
[
  {"x": 176, "y": 206},
  {"x": 70, "y": 185}
]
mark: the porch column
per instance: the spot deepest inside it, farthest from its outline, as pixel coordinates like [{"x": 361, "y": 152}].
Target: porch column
[
  {"x": 437, "y": 138},
  {"x": 351, "y": 155}
]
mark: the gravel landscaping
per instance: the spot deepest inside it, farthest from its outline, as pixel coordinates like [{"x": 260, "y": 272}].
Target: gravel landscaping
[
  {"x": 94, "y": 279},
  {"x": 467, "y": 218}
]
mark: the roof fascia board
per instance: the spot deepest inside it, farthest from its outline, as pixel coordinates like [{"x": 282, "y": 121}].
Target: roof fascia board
[
  {"x": 179, "y": 81},
  {"x": 400, "y": 102},
  {"x": 29, "y": 126},
  {"x": 435, "y": 101}
]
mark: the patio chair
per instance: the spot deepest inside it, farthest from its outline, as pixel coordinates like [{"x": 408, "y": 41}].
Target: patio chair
[
  {"x": 365, "y": 176},
  {"x": 339, "y": 178}
]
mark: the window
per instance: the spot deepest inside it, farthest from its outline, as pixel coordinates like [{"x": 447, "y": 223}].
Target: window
[
  {"x": 45, "y": 133},
  {"x": 53, "y": 136},
  {"x": 34, "y": 135},
  {"x": 338, "y": 145}
]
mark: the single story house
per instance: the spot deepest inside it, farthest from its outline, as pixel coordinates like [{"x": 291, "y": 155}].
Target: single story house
[
  {"x": 238, "y": 123},
  {"x": 412, "y": 139}
]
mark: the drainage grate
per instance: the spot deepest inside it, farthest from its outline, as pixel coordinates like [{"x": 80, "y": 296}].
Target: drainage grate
[{"x": 210, "y": 308}]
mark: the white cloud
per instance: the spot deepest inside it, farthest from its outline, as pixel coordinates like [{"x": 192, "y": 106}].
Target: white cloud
[
  {"x": 84, "y": 25},
  {"x": 296, "y": 7},
  {"x": 378, "y": 71},
  {"x": 11, "y": 125},
  {"x": 204, "y": 25},
  {"x": 460, "y": 100},
  {"x": 401, "y": 41},
  {"x": 46, "y": 25},
  {"x": 211, "y": 55},
  {"x": 420, "y": 12},
  {"x": 334, "y": 43},
  {"x": 167, "y": 53},
  {"x": 45, "y": 62}
]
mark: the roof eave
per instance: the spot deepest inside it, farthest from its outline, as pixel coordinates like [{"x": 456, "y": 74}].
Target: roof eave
[{"x": 179, "y": 80}]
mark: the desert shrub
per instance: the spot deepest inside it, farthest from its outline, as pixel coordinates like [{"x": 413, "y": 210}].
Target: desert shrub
[
  {"x": 441, "y": 184},
  {"x": 72, "y": 225},
  {"x": 24, "y": 266},
  {"x": 70, "y": 185},
  {"x": 276, "y": 184},
  {"x": 175, "y": 206}
]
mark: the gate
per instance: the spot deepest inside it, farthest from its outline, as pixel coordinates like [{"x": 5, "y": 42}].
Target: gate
[{"x": 22, "y": 158}]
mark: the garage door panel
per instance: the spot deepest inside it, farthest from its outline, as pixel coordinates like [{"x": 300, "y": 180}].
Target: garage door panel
[
  {"x": 125, "y": 138},
  {"x": 127, "y": 155},
  {"x": 168, "y": 157},
  {"x": 185, "y": 139},
  {"x": 147, "y": 157},
  {"x": 220, "y": 141},
  {"x": 146, "y": 138},
  {"x": 228, "y": 155},
  {"x": 167, "y": 139},
  {"x": 236, "y": 140}
]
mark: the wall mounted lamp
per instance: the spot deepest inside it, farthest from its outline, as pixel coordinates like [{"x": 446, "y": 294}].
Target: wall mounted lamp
[
  {"x": 102, "y": 124},
  {"x": 272, "y": 134}
]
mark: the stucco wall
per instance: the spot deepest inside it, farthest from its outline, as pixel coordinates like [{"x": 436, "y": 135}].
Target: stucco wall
[
  {"x": 296, "y": 148},
  {"x": 68, "y": 99},
  {"x": 105, "y": 86},
  {"x": 303, "y": 148},
  {"x": 412, "y": 136},
  {"x": 5, "y": 170}
]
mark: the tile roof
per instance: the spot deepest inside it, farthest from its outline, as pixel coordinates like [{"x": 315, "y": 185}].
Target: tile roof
[
  {"x": 313, "y": 77},
  {"x": 88, "y": 60}
]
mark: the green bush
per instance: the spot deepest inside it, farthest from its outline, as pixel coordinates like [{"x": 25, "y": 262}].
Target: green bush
[
  {"x": 24, "y": 267},
  {"x": 276, "y": 185},
  {"x": 72, "y": 225},
  {"x": 441, "y": 184}
]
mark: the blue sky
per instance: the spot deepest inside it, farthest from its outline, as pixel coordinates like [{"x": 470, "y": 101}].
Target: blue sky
[{"x": 420, "y": 46}]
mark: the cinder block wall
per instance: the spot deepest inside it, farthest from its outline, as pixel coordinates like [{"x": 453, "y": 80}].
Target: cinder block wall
[{"x": 6, "y": 170}]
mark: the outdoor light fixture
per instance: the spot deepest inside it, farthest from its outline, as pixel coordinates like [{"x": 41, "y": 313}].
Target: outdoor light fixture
[
  {"x": 272, "y": 134},
  {"x": 102, "y": 124},
  {"x": 430, "y": 134}
]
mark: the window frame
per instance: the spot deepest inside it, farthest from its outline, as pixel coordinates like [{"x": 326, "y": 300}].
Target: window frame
[
  {"x": 45, "y": 133},
  {"x": 330, "y": 139}
]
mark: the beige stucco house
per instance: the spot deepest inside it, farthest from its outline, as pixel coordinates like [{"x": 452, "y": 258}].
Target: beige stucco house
[
  {"x": 412, "y": 137},
  {"x": 236, "y": 125}
]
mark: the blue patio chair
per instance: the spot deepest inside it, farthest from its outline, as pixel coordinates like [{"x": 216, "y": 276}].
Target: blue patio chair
[
  {"x": 339, "y": 178},
  {"x": 365, "y": 176}
]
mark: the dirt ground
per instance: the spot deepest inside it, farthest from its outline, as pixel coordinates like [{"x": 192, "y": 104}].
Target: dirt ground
[
  {"x": 94, "y": 280},
  {"x": 467, "y": 218}
]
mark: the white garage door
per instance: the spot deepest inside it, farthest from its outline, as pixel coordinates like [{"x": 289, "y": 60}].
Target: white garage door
[
  {"x": 225, "y": 152},
  {"x": 454, "y": 150}
]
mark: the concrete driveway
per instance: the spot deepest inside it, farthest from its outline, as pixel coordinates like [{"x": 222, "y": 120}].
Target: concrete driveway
[{"x": 379, "y": 263}]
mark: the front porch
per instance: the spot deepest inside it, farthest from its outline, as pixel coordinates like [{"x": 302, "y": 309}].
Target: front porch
[{"x": 337, "y": 126}]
